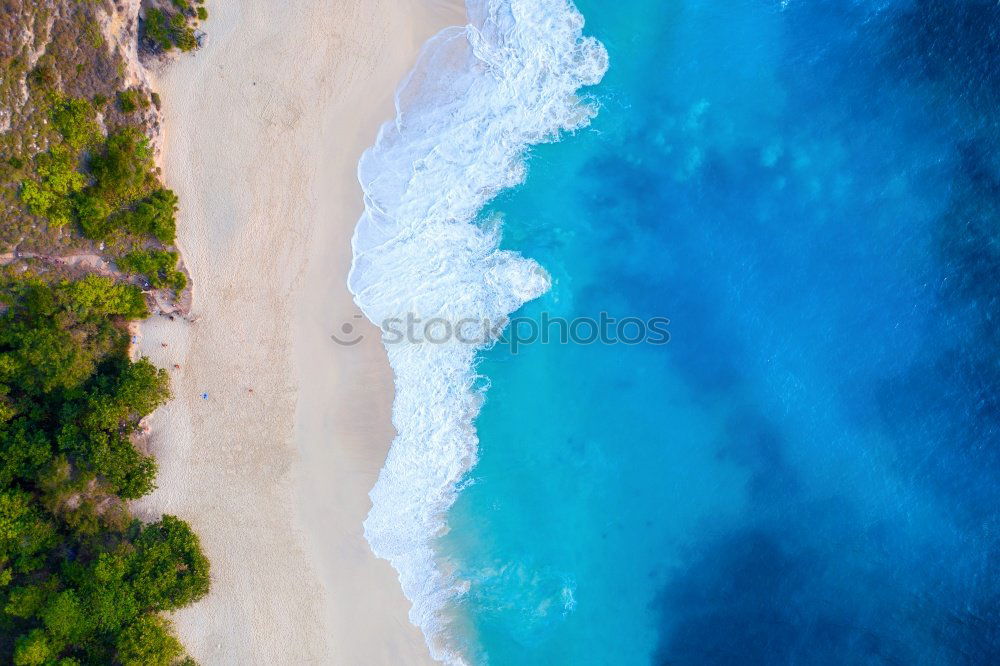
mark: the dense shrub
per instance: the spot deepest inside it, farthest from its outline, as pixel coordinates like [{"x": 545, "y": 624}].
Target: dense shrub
[
  {"x": 131, "y": 100},
  {"x": 153, "y": 216},
  {"x": 121, "y": 176},
  {"x": 123, "y": 169},
  {"x": 58, "y": 180},
  {"x": 159, "y": 267},
  {"x": 74, "y": 120},
  {"x": 182, "y": 33},
  {"x": 80, "y": 581},
  {"x": 92, "y": 213},
  {"x": 163, "y": 31},
  {"x": 148, "y": 642},
  {"x": 156, "y": 29},
  {"x": 75, "y": 588}
]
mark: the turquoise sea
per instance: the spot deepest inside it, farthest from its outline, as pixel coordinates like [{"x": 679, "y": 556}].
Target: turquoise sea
[{"x": 808, "y": 472}]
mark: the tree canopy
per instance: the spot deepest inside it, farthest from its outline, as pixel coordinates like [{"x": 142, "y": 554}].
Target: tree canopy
[{"x": 81, "y": 582}]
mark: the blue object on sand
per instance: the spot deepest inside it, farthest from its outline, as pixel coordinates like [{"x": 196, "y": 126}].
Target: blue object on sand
[{"x": 204, "y": 396}]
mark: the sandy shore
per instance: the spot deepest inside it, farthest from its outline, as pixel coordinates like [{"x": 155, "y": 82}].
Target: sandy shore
[{"x": 276, "y": 434}]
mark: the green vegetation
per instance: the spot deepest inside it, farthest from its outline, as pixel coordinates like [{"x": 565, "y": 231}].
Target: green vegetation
[
  {"x": 42, "y": 76},
  {"x": 54, "y": 61},
  {"x": 123, "y": 170},
  {"x": 93, "y": 35},
  {"x": 202, "y": 13},
  {"x": 148, "y": 642},
  {"x": 163, "y": 31},
  {"x": 152, "y": 216},
  {"x": 75, "y": 121},
  {"x": 53, "y": 55},
  {"x": 182, "y": 33},
  {"x": 117, "y": 192},
  {"x": 81, "y": 582},
  {"x": 58, "y": 180},
  {"x": 156, "y": 29},
  {"x": 131, "y": 100},
  {"x": 159, "y": 266}
]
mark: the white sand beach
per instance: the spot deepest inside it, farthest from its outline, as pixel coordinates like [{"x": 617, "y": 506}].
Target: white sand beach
[{"x": 276, "y": 434}]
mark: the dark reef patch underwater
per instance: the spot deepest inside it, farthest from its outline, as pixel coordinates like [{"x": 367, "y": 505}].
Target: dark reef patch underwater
[{"x": 809, "y": 473}]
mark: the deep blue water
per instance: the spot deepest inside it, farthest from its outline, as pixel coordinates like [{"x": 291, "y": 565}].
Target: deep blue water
[{"x": 808, "y": 471}]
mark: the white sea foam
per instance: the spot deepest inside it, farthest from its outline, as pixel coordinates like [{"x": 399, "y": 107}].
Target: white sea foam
[{"x": 478, "y": 97}]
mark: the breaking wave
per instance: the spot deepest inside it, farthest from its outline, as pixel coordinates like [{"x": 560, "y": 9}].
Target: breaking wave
[{"x": 478, "y": 98}]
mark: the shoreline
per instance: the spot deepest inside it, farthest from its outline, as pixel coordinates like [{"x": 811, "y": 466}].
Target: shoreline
[
  {"x": 357, "y": 411},
  {"x": 262, "y": 132},
  {"x": 477, "y": 100}
]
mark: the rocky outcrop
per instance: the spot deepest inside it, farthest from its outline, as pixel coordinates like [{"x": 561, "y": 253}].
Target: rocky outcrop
[{"x": 120, "y": 27}]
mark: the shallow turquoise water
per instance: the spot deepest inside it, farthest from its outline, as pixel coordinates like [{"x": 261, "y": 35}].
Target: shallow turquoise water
[{"x": 807, "y": 472}]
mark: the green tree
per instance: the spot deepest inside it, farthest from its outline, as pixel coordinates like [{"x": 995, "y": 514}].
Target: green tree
[
  {"x": 24, "y": 449},
  {"x": 79, "y": 579},
  {"x": 92, "y": 213},
  {"x": 66, "y": 618},
  {"x": 148, "y": 642},
  {"x": 103, "y": 297},
  {"x": 157, "y": 265},
  {"x": 154, "y": 216},
  {"x": 49, "y": 197},
  {"x": 123, "y": 170},
  {"x": 171, "y": 570},
  {"x": 25, "y": 534},
  {"x": 33, "y": 649},
  {"x": 49, "y": 359}
]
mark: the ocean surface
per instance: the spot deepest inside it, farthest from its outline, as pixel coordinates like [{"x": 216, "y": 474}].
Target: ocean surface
[{"x": 807, "y": 473}]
